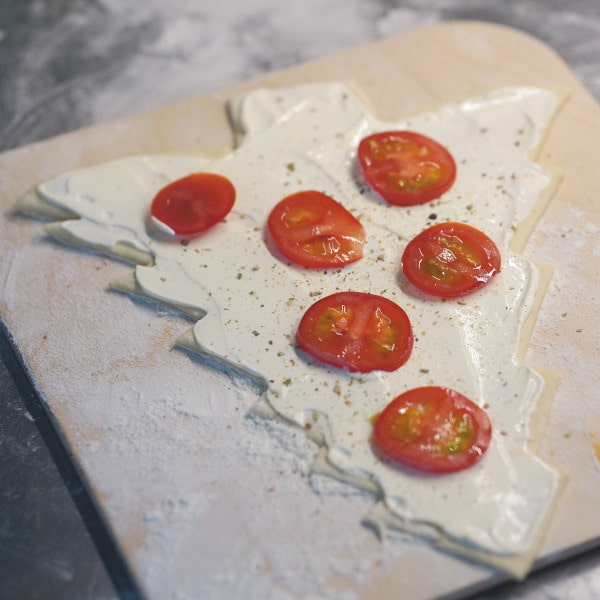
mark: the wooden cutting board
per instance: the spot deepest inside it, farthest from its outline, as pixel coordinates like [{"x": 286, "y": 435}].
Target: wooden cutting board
[{"x": 204, "y": 502}]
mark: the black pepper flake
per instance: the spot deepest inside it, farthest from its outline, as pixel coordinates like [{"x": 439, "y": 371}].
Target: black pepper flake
[{"x": 432, "y": 217}]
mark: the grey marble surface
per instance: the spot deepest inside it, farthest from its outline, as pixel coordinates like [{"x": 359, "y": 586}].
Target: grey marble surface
[{"x": 69, "y": 64}]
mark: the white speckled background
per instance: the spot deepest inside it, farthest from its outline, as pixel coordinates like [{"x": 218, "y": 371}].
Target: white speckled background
[{"x": 66, "y": 65}]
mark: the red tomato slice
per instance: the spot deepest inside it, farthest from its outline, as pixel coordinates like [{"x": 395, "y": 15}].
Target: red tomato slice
[
  {"x": 433, "y": 429},
  {"x": 311, "y": 229},
  {"x": 450, "y": 260},
  {"x": 361, "y": 332},
  {"x": 193, "y": 204},
  {"x": 406, "y": 168}
]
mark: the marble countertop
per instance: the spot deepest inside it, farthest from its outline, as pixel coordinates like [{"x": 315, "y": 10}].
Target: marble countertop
[{"x": 67, "y": 65}]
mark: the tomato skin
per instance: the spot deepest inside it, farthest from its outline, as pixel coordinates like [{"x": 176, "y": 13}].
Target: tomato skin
[
  {"x": 450, "y": 260},
  {"x": 406, "y": 168},
  {"x": 313, "y": 230},
  {"x": 432, "y": 429},
  {"x": 193, "y": 204},
  {"x": 358, "y": 331}
]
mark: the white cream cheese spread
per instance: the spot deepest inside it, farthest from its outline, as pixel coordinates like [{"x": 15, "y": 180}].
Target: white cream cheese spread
[{"x": 306, "y": 138}]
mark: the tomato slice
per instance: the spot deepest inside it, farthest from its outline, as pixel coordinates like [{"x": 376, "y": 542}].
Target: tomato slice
[
  {"x": 450, "y": 260},
  {"x": 313, "y": 230},
  {"x": 406, "y": 168},
  {"x": 359, "y": 331},
  {"x": 432, "y": 429},
  {"x": 192, "y": 204}
]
